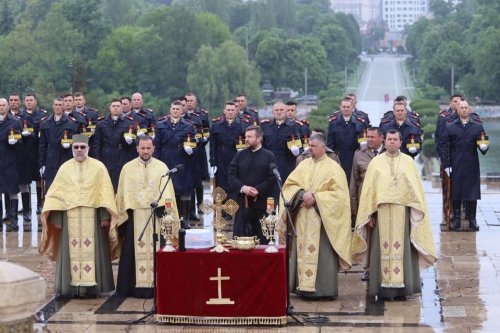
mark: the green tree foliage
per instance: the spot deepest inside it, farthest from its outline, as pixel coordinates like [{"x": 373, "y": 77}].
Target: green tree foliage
[
  {"x": 218, "y": 74},
  {"x": 465, "y": 38},
  {"x": 6, "y": 19}
]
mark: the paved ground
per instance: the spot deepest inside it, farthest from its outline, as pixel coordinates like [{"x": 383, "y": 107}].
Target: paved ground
[{"x": 461, "y": 294}]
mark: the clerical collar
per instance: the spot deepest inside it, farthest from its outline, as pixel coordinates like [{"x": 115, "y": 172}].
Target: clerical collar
[
  {"x": 145, "y": 162},
  {"x": 256, "y": 149},
  {"x": 392, "y": 155},
  {"x": 319, "y": 159}
]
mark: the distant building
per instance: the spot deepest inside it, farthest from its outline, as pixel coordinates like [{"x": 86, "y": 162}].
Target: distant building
[
  {"x": 397, "y": 14},
  {"x": 363, "y": 10}
]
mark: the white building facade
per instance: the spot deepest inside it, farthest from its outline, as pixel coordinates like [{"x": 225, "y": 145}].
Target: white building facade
[{"x": 397, "y": 14}]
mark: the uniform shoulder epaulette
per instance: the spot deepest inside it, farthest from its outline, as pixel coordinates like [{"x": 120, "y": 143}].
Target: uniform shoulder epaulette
[
  {"x": 219, "y": 118},
  {"x": 129, "y": 117},
  {"x": 305, "y": 121},
  {"x": 476, "y": 117},
  {"x": 252, "y": 110},
  {"x": 163, "y": 118},
  {"x": 332, "y": 117},
  {"x": 361, "y": 119},
  {"x": 43, "y": 110},
  {"x": 141, "y": 113},
  {"x": 101, "y": 118},
  {"x": 71, "y": 117},
  {"x": 385, "y": 121},
  {"x": 189, "y": 121},
  {"x": 298, "y": 122},
  {"x": 443, "y": 111},
  {"x": 44, "y": 118},
  {"x": 203, "y": 110},
  {"x": 195, "y": 114},
  {"x": 265, "y": 121},
  {"x": 444, "y": 114},
  {"x": 387, "y": 113},
  {"x": 246, "y": 120}
]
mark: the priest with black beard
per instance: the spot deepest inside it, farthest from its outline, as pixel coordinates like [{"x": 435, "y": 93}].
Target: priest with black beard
[{"x": 251, "y": 181}]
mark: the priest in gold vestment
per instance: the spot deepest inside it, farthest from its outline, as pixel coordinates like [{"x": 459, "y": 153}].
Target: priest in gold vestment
[
  {"x": 321, "y": 214},
  {"x": 140, "y": 184},
  {"x": 76, "y": 216},
  {"x": 393, "y": 234}
]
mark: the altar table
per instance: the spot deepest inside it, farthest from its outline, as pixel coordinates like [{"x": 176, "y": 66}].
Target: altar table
[{"x": 231, "y": 288}]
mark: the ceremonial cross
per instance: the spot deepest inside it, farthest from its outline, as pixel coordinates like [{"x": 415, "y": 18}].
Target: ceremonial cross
[
  {"x": 219, "y": 300},
  {"x": 230, "y": 207}
]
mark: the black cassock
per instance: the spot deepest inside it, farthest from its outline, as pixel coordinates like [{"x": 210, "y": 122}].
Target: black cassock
[{"x": 251, "y": 169}]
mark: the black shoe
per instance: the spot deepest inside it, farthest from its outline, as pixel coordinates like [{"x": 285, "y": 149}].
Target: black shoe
[
  {"x": 38, "y": 210},
  {"x": 365, "y": 277}
]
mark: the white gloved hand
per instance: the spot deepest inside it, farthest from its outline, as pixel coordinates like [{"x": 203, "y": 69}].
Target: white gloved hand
[
  {"x": 412, "y": 150},
  {"x": 363, "y": 144},
  {"x": 140, "y": 133},
  {"x": 12, "y": 141},
  {"x": 295, "y": 150},
  {"x": 42, "y": 171},
  {"x": 448, "y": 171},
  {"x": 66, "y": 145},
  {"x": 188, "y": 150},
  {"x": 483, "y": 147},
  {"x": 129, "y": 139},
  {"x": 214, "y": 170},
  {"x": 25, "y": 133}
]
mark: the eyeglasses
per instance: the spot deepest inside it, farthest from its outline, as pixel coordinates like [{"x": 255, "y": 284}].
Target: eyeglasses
[{"x": 79, "y": 147}]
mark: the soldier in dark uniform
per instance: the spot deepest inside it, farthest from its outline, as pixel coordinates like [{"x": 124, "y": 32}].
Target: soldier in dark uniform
[
  {"x": 411, "y": 133},
  {"x": 247, "y": 112},
  {"x": 145, "y": 120},
  {"x": 357, "y": 112},
  {"x": 27, "y": 161},
  {"x": 90, "y": 115},
  {"x": 291, "y": 114},
  {"x": 10, "y": 137},
  {"x": 13, "y": 109},
  {"x": 282, "y": 137},
  {"x": 251, "y": 182},
  {"x": 55, "y": 136},
  {"x": 33, "y": 115},
  {"x": 114, "y": 143},
  {"x": 344, "y": 132},
  {"x": 389, "y": 115},
  {"x": 227, "y": 136},
  {"x": 175, "y": 144},
  {"x": 199, "y": 117},
  {"x": 458, "y": 148}
]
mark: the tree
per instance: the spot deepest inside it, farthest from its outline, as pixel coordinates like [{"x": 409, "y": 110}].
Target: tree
[
  {"x": 218, "y": 74},
  {"x": 6, "y": 19}
]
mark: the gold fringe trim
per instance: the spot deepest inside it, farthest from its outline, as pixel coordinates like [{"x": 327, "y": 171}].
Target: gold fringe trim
[
  {"x": 392, "y": 285},
  {"x": 171, "y": 319}
]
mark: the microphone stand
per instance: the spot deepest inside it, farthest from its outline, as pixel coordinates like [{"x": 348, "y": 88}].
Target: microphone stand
[
  {"x": 152, "y": 217},
  {"x": 289, "y": 235}
]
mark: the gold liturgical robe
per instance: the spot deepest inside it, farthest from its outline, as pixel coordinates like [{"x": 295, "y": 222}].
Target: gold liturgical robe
[
  {"x": 392, "y": 183},
  {"x": 78, "y": 188},
  {"x": 139, "y": 185},
  {"x": 326, "y": 179}
]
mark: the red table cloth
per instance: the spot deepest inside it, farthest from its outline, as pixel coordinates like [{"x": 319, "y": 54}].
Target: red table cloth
[{"x": 231, "y": 288}]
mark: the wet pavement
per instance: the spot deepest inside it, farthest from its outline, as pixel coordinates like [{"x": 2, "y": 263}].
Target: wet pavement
[{"x": 460, "y": 294}]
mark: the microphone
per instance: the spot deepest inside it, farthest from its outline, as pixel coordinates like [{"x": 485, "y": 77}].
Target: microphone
[
  {"x": 275, "y": 171},
  {"x": 176, "y": 168}
]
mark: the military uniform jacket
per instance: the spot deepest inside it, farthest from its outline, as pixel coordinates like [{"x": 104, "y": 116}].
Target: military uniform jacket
[
  {"x": 52, "y": 153},
  {"x": 223, "y": 140},
  {"x": 169, "y": 142},
  {"x": 28, "y": 151},
  {"x": 144, "y": 118},
  {"x": 360, "y": 162},
  {"x": 343, "y": 138},
  {"x": 408, "y": 131},
  {"x": 458, "y": 148},
  {"x": 9, "y": 179},
  {"x": 110, "y": 147},
  {"x": 250, "y": 114},
  {"x": 363, "y": 114},
  {"x": 276, "y": 138}
]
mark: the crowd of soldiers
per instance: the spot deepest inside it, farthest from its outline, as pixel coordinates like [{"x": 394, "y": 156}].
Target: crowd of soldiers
[{"x": 38, "y": 143}]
